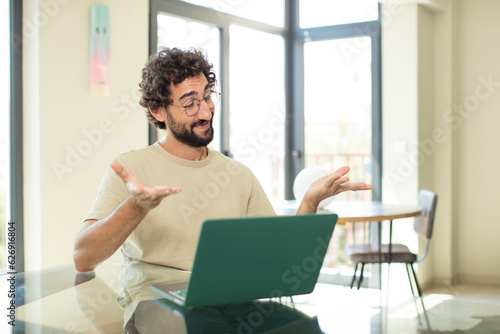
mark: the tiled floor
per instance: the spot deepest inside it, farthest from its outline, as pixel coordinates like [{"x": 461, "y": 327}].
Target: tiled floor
[{"x": 457, "y": 309}]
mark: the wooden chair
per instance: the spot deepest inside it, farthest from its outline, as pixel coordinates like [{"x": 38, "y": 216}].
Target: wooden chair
[{"x": 398, "y": 253}]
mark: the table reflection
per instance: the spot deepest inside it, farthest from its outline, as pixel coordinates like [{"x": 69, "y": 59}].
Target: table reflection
[
  {"x": 253, "y": 317},
  {"x": 129, "y": 305}
]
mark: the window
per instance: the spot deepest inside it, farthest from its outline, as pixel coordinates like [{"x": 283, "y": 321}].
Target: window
[
  {"x": 184, "y": 33},
  {"x": 338, "y": 122},
  {"x": 342, "y": 113},
  {"x": 253, "y": 10},
  {"x": 300, "y": 87},
  {"x": 336, "y": 12},
  {"x": 338, "y": 108},
  {"x": 257, "y": 105}
]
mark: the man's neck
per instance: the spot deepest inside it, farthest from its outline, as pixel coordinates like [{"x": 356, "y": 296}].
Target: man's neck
[{"x": 182, "y": 150}]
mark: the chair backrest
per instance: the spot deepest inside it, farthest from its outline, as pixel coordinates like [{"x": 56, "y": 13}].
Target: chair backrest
[{"x": 427, "y": 201}]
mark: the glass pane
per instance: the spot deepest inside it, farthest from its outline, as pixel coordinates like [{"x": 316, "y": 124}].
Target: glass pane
[
  {"x": 257, "y": 105},
  {"x": 317, "y": 13},
  {"x": 249, "y": 9},
  {"x": 338, "y": 104},
  {"x": 4, "y": 128},
  {"x": 182, "y": 33}
]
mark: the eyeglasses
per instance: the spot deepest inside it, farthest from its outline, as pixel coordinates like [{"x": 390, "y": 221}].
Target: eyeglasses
[{"x": 193, "y": 106}]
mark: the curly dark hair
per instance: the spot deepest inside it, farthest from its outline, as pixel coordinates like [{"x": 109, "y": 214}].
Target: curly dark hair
[{"x": 166, "y": 67}]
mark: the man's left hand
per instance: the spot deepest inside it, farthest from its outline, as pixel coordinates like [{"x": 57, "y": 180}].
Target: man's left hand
[{"x": 327, "y": 186}]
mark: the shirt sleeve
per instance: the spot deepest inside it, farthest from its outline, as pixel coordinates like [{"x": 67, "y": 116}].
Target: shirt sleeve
[
  {"x": 112, "y": 192},
  {"x": 259, "y": 204}
]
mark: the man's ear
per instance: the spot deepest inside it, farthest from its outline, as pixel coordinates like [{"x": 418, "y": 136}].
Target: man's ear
[{"x": 160, "y": 114}]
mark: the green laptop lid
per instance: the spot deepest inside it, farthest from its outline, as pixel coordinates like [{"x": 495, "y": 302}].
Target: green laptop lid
[{"x": 239, "y": 260}]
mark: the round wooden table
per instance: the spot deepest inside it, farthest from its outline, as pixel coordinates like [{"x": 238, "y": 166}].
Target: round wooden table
[
  {"x": 362, "y": 211},
  {"x": 356, "y": 211},
  {"x": 359, "y": 211}
]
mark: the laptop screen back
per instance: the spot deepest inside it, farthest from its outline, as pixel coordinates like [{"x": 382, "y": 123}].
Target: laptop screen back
[{"x": 238, "y": 260}]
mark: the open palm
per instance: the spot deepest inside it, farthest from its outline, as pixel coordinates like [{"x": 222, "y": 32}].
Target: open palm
[
  {"x": 143, "y": 196},
  {"x": 333, "y": 184}
]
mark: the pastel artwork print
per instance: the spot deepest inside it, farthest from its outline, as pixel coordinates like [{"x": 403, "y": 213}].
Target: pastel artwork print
[{"x": 99, "y": 50}]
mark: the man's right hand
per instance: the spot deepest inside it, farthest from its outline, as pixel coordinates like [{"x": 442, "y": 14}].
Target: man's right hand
[
  {"x": 99, "y": 239},
  {"x": 142, "y": 196}
]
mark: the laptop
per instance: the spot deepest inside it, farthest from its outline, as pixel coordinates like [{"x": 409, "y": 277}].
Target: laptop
[{"x": 244, "y": 259}]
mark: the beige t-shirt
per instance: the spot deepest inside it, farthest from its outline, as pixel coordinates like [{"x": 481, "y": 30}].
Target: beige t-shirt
[{"x": 216, "y": 187}]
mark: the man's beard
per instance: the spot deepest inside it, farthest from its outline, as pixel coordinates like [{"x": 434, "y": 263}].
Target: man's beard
[{"x": 188, "y": 137}]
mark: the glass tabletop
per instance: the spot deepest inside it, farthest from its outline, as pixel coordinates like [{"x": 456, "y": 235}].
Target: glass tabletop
[{"x": 116, "y": 298}]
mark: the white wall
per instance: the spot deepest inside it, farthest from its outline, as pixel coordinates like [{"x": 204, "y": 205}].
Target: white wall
[
  {"x": 60, "y": 116},
  {"x": 457, "y": 52},
  {"x": 478, "y": 55},
  {"x": 400, "y": 104}
]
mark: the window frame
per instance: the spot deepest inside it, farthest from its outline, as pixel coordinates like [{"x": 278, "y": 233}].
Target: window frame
[
  {"x": 370, "y": 29},
  {"x": 294, "y": 38},
  {"x": 223, "y": 22},
  {"x": 16, "y": 203}
]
